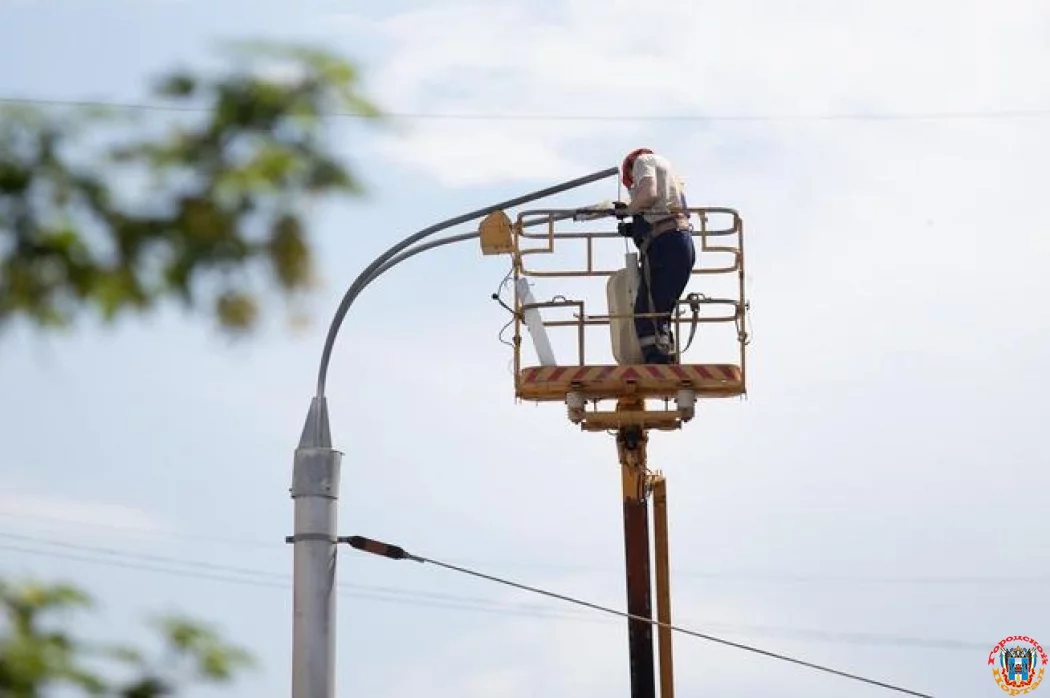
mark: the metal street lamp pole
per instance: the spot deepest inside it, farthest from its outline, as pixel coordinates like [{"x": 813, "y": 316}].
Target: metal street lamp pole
[{"x": 315, "y": 477}]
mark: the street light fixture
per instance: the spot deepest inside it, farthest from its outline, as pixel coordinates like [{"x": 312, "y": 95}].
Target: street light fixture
[{"x": 315, "y": 475}]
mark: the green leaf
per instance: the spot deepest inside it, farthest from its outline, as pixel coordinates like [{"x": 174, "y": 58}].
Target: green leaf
[
  {"x": 236, "y": 310},
  {"x": 177, "y": 85},
  {"x": 289, "y": 254},
  {"x": 223, "y": 183},
  {"x": 39, "y": 656}
]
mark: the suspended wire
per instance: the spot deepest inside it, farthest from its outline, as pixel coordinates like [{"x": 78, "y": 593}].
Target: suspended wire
[
  {"x": 995, "y": 114},
  {"x": 437, "y": 600},
  {"x": 249, "y": 581},
  {"x": 757, "y": 577},
  {"x": 395, "y": 552},
  {"x": 371, "y": 593},
  {"x": 684, "y": 631},
  {"x": 142, "y": 556},
  {"x": 156, "y": 533},
  {"x": 498, "y": 297},
  {"x": 229, "y": 569}
]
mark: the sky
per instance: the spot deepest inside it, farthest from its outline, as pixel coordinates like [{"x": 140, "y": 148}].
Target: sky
[{"x": 876, "y": 504}]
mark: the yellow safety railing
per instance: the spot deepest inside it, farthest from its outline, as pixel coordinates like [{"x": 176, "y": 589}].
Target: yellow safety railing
[{"x": 552, "y": 240}]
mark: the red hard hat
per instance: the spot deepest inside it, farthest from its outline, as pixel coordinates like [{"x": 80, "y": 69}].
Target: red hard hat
[{"x": 628, "y": 165}]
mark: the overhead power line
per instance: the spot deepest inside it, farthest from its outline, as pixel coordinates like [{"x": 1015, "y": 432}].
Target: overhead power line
[
  {"x": 391, "y": 595},
  {"x": 395, "y": 552},
  {"x": 979, "y": 115},
  {"x": 208, "y": 568},
  {"x": 194, "y": 569},
  {"x": 771, "y": 577},
  {"x": 144, "y": 531}
]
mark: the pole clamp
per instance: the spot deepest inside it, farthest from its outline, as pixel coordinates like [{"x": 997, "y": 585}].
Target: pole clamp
[{"x": 312, "y": 536}]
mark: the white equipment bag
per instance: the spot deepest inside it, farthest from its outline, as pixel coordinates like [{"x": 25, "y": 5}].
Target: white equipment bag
[{"x": 621, "y": 291}]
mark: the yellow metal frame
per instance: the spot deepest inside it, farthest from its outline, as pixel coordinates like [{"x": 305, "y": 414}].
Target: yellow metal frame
[
  {"x": 703, "y": 232},
  {"x": 663, "y": 583},
  {"x": 503, "y": 236},
  {"x": 630, "y": 387}
]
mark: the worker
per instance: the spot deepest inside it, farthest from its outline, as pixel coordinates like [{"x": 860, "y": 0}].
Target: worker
[{"x": 665, "y": 245}]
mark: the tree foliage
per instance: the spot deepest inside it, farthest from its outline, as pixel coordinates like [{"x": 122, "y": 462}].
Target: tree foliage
[
  {"x": 38, "y": 655},
  {"x": 99, "y": 211}
]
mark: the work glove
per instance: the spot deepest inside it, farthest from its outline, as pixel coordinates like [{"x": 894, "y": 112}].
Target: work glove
[{"x": 620, "y": 210}]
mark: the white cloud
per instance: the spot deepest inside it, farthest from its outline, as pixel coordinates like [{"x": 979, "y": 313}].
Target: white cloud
[
  {"x": 458, "y": 156},
  {"x": 586, "y": 57}
]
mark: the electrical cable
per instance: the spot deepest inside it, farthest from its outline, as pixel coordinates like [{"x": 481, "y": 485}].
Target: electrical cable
[
  {"x": 143, "y": 530},
  {"x": 141, "y": 556},
  {"x": 395, "y": 552},
  {"x": 994, "y": 114},
  {"x": 371, "y": 593},
  {"x": 735, "y": 577},
  {"x": 416, "y": 597},
  {"x": 498, "y": 297},
  {"x": 219, "y": 568}
]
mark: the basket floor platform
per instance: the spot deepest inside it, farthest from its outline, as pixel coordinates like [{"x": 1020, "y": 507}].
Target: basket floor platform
[{"x": 554, "y": 383}]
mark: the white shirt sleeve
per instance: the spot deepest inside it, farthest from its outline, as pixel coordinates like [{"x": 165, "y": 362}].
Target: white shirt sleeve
[
  {"x": 644, "y": 166},
  {"x": 644, "y": 193}
]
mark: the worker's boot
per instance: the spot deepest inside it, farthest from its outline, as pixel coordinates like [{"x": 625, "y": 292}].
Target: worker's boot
[
  {"x": 660, "y": 353},
  {"x": 669, "y": 350}
]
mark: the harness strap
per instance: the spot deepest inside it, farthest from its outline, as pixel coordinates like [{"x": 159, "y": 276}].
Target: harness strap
[
  {"x": 657, "y": 229},
  {"x": 649, "y": 341},
  {"x": 694, "y": 306}
]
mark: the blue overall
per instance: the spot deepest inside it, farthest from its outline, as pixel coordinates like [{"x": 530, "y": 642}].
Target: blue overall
[{"x": 664, "y": 273}]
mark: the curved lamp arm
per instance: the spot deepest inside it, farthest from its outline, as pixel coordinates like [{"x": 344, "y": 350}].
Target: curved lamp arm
[
  {"x": 408, "y": 254},
  {"x": 385, "y": 260},
  {"x": 316, "y": 475}
]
